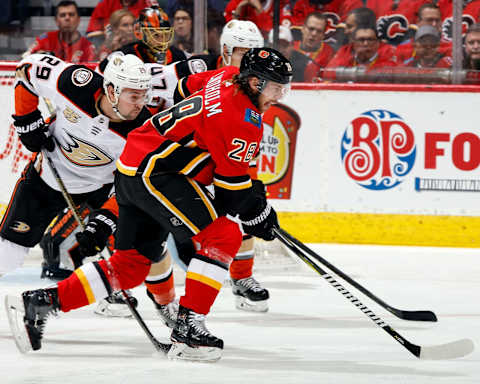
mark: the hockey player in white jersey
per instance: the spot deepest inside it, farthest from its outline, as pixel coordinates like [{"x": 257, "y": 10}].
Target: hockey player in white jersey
[{"x": 93, "y": 117}]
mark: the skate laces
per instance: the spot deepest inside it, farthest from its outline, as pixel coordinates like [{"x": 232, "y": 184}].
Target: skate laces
[
  {"x": 197, "y": 321},
  {"x": 169, "y": 310},
  {"x": 250, "y": 283}
]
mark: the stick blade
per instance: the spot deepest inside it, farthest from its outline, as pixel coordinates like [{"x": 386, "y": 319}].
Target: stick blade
[
  {"x": 453, "y": 350},
  {"x": 415, "y": 315}
]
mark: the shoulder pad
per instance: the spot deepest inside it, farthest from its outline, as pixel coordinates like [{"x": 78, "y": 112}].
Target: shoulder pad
[{"x": 78, "y": 84}]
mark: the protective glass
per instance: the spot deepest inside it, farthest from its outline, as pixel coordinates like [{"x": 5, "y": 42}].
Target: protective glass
[
  {"x": 134, "y": 97},
  {"x": 275, "y": 91}
]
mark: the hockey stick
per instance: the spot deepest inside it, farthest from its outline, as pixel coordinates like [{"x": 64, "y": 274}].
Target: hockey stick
[
  {"x": 402, "y": 314},
  {"x": 159, "y": 346},
  {"x": 450, "y": 350}
]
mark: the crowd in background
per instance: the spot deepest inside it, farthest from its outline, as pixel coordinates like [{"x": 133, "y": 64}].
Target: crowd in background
[{"x": 313, "y": 34}]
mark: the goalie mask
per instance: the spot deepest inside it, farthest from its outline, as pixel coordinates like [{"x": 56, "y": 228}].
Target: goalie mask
[
  {"x": 126, "y": 73},
  {"x": 154, "y": 29}
]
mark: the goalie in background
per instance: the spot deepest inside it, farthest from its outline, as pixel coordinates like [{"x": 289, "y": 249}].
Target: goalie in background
[{"x": 160, "y": 186}]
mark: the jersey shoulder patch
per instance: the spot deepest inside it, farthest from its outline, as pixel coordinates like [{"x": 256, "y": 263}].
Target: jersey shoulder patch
[
  {"x": 78, "y": 84},
  {"x": 253, "y": 117}
]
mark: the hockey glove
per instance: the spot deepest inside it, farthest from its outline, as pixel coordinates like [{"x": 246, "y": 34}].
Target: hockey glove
[
  {"x": 261, "y": 221},
  {"x": 32, "y": 132},
  {"x": 101, "y": 224}
]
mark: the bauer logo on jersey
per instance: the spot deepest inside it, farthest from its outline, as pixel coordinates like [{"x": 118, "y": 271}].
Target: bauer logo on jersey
[
  {"x": 253, "y": 117},
  {"x": 197, "y": 66},
  {"x": 378, "y": 150},
  {"x": 81, "y": 77},
  {"x": 83, "y": 153},
  {"x": 20, "y": 226},
  {"x": 71, "y": 115}
]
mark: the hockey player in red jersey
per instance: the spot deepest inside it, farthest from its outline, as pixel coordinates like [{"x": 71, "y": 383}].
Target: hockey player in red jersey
[{"x": 160, "y": 184}]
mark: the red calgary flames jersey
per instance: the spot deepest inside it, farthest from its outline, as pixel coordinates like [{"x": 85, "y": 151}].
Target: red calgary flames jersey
[
  {"x": 78, "y": 52},
  {"x": 210, "y": 136},
  {"x": 335, "y": 12},
  {"x": 471, "y": 14},
  {"x": 394, "y": 18}
]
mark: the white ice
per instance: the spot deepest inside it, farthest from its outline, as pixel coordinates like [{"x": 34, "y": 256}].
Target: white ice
[{"x": 311, "y": 334}]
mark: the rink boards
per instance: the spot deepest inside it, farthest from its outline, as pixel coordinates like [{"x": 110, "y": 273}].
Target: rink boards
[{"x": 373, "y": 164}]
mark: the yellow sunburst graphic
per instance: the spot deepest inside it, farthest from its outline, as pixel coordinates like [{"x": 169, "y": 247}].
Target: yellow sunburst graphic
[{"x": 274, "y": 152}]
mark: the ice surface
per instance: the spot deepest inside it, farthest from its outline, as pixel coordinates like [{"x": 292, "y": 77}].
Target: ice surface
[{"x": 310, "y": 335}]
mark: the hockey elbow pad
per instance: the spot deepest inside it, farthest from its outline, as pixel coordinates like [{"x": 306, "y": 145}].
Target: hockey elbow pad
[
  {"x": 32, "y": 131},
  {"x": 260, "y": 220},
  {"x": 101, "y": 225}
]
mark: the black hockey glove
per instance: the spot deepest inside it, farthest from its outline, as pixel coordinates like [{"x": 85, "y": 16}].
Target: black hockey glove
[
  {"x": 32, "y": 132},
  {"x": 260, "y": 221},
  {"x": 101, "y": 224}
]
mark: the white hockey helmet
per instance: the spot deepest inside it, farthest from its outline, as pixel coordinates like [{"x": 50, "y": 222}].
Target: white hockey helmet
[
  {"x": 239, "y": 33},
  {"x": 125, "y": 71}
]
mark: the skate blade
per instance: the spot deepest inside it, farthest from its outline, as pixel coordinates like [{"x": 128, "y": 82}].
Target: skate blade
[
  {"x": 244, "y": 304},
  {"x": 180, "y": 351},
  {"x": 107, "y": 309},
  {"x": 15, "y": 313}
]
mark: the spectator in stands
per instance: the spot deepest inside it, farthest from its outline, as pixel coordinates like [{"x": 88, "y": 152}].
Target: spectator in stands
[
  {"x": 183, "y": 28},
  {"x": 298, "y": 60},
  {"x": 118, "y": 33},
  {"x": 357, "y": 16},
  {"x": 312, "y": 44},
  {"x": 213, "y": 5},
  {"x": 102, "y": 12},
  {"x": 470, "y": 15},
  {"x": 365, "y": 52},
  {"x": 335, "y": 11},
  {"x": 215, "y": 23},
  {"x": 66, "y": 43},
  {"x": 426, "y": 46},
  {"x": 394, "y": 18},
  {"x": 471, "y": 58},
  {"x": 258, "y": 11},
  {"x": 428, "y": 14}
]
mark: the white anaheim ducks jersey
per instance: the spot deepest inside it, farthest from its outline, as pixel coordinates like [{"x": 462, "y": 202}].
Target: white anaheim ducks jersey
[
  {"x": 165, "y": 76},
  {"x": 165, "y": 79},
  {"x": 87, "y": 142}
]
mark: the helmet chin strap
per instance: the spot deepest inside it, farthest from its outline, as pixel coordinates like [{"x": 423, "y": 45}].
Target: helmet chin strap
[{"x": 115, "y": 107}]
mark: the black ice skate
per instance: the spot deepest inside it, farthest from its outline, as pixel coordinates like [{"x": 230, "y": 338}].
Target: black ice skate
[
  {"x": 192, "y": 340},
  {"x": 35, "y": 306},
  {"x": 115, "y": 305},
  {"x": 250, "y": 295},
  {"x": 168, "y": 312}
]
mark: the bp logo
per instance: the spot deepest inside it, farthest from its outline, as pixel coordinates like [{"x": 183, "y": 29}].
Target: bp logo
[{"x": 378, "y": 150}]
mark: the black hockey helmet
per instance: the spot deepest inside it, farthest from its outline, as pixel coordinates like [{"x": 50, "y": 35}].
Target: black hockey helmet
[{"x": 266, "y": 64}]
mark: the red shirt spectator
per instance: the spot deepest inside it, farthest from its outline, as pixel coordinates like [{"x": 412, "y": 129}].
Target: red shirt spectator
[
  {"x": 471, "y": 14},
  {"x": 66, "y": 43},
  {"x": 428, "y": 14},
  {"x": 394, "y": 18},
  {"x": 260, "y": 12},
  {"x": 427, "y": 55},
  {"x": 312, "y": 44},
  {"x": 101, "y": 14},
  {"x": 79, "y": 51},
  {"x": 365, "y": 51},
  {"x": 334, "y": 10}
]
